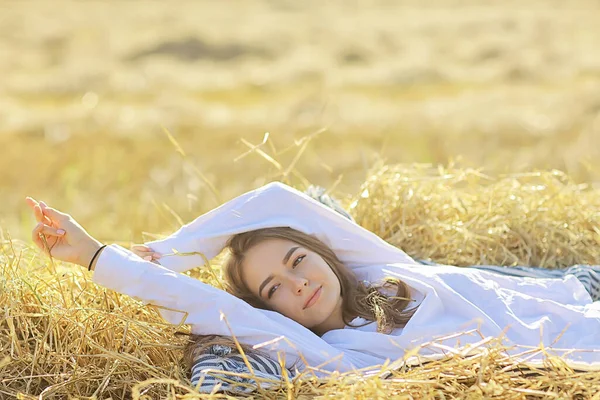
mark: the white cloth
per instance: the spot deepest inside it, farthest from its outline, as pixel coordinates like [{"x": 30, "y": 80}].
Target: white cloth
[{"x": 453, "y": 299}]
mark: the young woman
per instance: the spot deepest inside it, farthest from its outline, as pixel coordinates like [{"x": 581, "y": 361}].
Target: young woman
[{"x": 318, "y": 290}]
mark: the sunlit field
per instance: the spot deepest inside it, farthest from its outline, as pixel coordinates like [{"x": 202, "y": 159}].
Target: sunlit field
[{"x": 137, "y": 117}]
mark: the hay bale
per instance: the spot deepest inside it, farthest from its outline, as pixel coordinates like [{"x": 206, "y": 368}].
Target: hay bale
[
  {"x": 61, "y": 336},
  {"x": 462, "y": 217}
]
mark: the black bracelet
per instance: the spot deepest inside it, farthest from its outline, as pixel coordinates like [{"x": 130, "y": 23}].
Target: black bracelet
[{"x": 95, "y": 255}]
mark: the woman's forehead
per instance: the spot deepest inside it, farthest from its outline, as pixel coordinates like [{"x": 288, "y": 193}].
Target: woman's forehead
[
  {"x": 270, "y": 250},
  {"x": 265, "y": 259}
]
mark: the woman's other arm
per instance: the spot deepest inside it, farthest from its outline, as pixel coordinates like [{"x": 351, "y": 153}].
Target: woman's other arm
[
  {"x": 124, "y": 272},
  {"x": 274, "y": 205}
]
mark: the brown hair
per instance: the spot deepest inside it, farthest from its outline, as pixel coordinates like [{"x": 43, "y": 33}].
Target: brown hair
[{"x": 359, "y": 299}]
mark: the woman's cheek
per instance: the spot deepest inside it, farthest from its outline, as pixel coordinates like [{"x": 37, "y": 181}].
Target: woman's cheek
[{"x": 284, "y": 308}]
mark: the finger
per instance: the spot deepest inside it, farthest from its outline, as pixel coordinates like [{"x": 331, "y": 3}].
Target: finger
[
  {"x": 39, "y": 215},
  {"x": 37, "y": 209},
  {"x": 143, "y": 253},
  {"x": 30, "y": 201},
  {"x": 39, "y": 231},
  {"x": 50, "y": 231},
  {"x": 46, "y": 220},
  {"x": 53, "y": 213},
  {"x": 142, "y": 250},
  {"x": 37, "y": 212},
  {"x": 141, "y": 247},
  {"x": 35, "y": 236}
]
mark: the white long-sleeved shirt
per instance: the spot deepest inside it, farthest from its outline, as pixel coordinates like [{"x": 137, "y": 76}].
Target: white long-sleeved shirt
[{"x": 556, "y": 312}]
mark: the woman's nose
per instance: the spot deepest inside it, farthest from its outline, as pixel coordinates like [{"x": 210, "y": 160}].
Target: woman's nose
[{"x": 299, "y": 284}]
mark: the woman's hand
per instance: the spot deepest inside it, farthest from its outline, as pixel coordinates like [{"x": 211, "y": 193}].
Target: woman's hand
[
  {"x": 145, "y": 252},
  {"x": 65, "y": 238}
]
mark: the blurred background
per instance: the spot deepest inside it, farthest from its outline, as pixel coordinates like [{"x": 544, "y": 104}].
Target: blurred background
[{"x": 89, "y": 89}]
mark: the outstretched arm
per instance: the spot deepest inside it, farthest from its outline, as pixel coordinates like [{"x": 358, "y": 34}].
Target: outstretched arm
[
  {"x": 275, "y": 205},
  {"x": 118, "y": 269}
]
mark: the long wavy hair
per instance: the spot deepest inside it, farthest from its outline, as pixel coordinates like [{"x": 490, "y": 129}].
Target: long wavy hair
[{"x": 359, "y": 299}]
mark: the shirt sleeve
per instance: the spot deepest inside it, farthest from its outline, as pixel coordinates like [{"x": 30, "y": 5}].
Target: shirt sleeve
[
  {"x": 182, "y": 299},
  {"x": 275, "y": 205}
]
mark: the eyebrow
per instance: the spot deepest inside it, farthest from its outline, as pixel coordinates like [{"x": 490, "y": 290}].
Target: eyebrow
[
  {"x": 289, "y": 254},
  {"x": 270, "y": 277}
]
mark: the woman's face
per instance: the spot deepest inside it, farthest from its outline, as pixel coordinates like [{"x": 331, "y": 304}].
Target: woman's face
[{"x": 295, "y": 282}]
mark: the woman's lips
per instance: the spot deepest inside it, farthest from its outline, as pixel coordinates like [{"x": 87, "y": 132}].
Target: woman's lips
[{"x": 313, "y": 299}]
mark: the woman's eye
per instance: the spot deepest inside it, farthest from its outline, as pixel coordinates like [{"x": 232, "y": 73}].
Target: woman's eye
[
  {"x": 298, "y": 260},
  {"x": 272, "y": 290}
]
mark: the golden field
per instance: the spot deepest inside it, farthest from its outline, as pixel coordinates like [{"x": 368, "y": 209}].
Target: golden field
[{"x": 352, "y": 93}]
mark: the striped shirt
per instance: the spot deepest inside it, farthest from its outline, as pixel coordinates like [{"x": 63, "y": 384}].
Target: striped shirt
[{"x": 218, "y": 370}]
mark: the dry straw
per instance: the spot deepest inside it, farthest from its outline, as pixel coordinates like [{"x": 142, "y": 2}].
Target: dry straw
[
  {"x": 61, "y": 336},
  {"x": 463, "y": 217}
]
